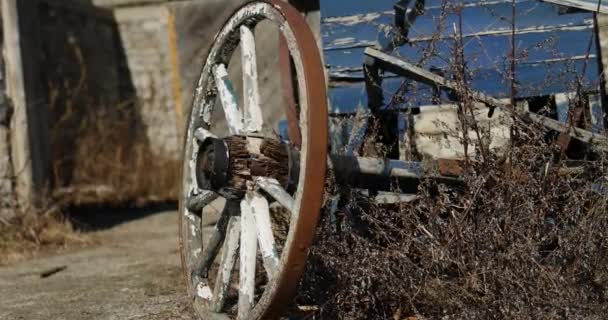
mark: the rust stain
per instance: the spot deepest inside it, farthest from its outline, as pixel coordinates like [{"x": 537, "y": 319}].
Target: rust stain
[{"x": 175, "y": 72}]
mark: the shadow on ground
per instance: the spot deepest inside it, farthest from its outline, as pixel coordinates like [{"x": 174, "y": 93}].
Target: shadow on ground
[{"x": 99, "y": 217}]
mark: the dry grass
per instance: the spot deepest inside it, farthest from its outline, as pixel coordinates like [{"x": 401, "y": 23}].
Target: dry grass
[
  {"x": 33, "y": 232},
  {"x": 101, "y": 156},
  {"x": 519, "y": 239}
]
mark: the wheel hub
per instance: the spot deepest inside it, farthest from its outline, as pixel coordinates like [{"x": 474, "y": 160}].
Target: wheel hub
[
  {"x": 228, "y": 166},
  {"x": 212, "y": 165}
]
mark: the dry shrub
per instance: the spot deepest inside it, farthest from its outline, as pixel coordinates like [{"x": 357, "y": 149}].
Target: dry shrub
[
  {"x": 518, "y": 239},
  {"x": 32, "y": 231},
  {"x": 104, "y": 159}
]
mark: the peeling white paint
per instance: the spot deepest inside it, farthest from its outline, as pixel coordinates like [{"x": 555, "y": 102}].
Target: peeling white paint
[
  {"x": 247, "y": 259},
  {"x": 251, "y": 93},
  {"x": 193, "y": 229},
  {"x": 274, "y": 189},
  {"x": 254, "y": 145},
  {"x": 229, "y": 254},
  {"x": 228, "y": 99},
  {"x": 190, "y": 216},
  {"x": 343, "y": 41},
  {"x": 261, "y": 213},
  {"x": 203, "y": 134},
  {"x": 355, "y": 19},
  {"x": 203, "y": 291}
]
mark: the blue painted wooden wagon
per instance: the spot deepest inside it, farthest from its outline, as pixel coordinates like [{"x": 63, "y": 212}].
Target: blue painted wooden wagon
[{"x": 385, "y": 70}]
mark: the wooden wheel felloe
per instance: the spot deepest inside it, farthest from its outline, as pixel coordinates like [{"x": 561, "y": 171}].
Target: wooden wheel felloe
[{"x": 245, "y": 261}]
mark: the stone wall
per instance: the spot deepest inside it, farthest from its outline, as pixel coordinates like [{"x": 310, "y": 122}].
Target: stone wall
[{"x": 145, "y": 40}]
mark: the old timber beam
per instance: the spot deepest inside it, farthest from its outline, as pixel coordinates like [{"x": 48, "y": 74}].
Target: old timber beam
[
  {"x": 29, "y": 123},
  {"x": 403, "y": 68}
]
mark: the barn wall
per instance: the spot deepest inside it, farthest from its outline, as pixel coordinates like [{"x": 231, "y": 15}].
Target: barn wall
[
  {"x": 145, "y": 40},
  {"x": 6, "y": 170},
  {"x": 117, "y": 78}
]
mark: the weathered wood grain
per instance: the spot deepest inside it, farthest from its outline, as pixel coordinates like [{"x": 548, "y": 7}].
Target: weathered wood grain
[
  {"x": 406, "y": 69},
  {"x": 29, "y": 125},
  {"x": 248, "y": 253},
  {"x": 227, "y": 262}
]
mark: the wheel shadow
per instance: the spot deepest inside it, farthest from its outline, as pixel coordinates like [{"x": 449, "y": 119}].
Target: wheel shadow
[{"x": 102, "y": 217}]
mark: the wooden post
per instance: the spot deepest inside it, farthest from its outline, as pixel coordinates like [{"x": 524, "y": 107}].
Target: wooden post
[
  {"x": 29, "y": 124},
  {"x": 601, "y": 28}
]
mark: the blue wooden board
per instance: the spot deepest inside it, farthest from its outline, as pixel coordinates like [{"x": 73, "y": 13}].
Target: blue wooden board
[{"x": 551, "y": 47}]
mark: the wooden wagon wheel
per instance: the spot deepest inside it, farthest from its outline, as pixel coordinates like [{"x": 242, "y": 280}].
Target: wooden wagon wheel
[{"x": 248, "y": 265}]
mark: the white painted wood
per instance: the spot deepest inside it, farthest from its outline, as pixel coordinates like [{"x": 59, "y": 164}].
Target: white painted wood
[
  {"x": 438, "y": 131},
  {"x": 261, "y": 212},
  {"x": 230, "y": 250},
  {"x": 198, "y": 201},
  {"x": 204, "y": 291},
  {"x": 275, "y": 190},
  {"x": 254, "y": 145},
  {"x": 247, "y": 260},
  {"x": 393, "y": 198},
  {"x": 228, "y": 99},
  {"x": 251, "y": 93},
  {"x": 202, "y": 134}
]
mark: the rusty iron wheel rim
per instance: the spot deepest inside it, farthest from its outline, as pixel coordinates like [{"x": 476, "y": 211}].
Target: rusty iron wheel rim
[{"x": 313, "y": 124}]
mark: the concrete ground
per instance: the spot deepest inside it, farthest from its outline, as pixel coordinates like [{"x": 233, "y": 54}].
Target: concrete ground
[{"x": 134, "y": 274}]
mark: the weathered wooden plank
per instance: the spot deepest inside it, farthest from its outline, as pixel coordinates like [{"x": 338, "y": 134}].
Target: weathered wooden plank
[
  {"x": 253, "y": 120},
  {"x": 261, "y": 213},
  {"x": 403, "y": 68},
  {"x": 29, "y": 125},
  {"x": 438, "y": 134},
  {"x": 532, "y": 80},
  {"x": 480, "y": 18},
  {"x": 229, "y": 100},
  {"x": 484, "y": 51},
  {"x": 247, "y": 260},
  {"x": 227, "y": 262}
]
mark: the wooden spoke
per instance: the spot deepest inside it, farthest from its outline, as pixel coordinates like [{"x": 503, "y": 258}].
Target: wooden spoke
[
  {"x": 196, "y": 202},
  {"x": 201, "y": 135},
  {"x": 216, "y": 239},
  {"x": 247, "y": 260},
  {"x": 261, "y": 213},
  {"x": 228, "y": 99},
  {"x": 230, "y": 250},
  {"x": 251, "y": 94},
  {"x": 275, "y": 190}
]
